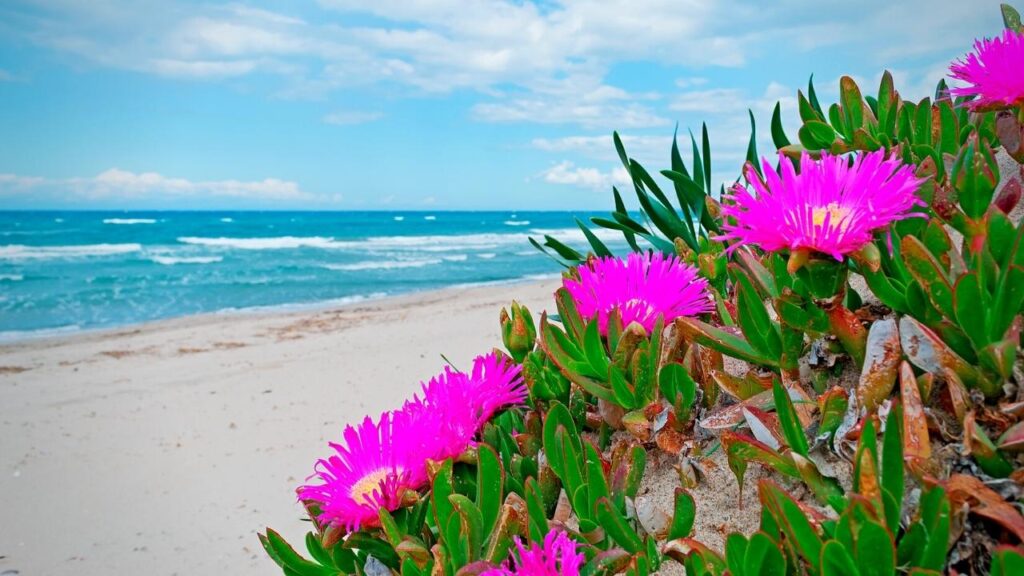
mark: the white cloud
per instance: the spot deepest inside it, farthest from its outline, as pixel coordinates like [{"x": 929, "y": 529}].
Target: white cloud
[
  {"x": 643, "y": 148},
  {"x": 566, "y": 172},
  {"x": 349, "y": 117},
  {"x": 117, "y": 184}
]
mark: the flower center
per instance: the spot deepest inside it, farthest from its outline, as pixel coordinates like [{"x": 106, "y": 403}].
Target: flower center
[
  {"x": 837, "y": 216},
  {"x": 362, "y": 491}
]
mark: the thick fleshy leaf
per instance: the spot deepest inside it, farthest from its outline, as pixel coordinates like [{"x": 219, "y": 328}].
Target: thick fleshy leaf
[{"x": 881, "y": 362}]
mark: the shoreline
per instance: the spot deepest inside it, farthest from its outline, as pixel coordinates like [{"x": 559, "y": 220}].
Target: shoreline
[
  {"x": 164, "y": 447},
  {"x": 30, "y": 337}
]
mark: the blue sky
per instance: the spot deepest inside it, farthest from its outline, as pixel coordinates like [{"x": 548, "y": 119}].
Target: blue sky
[{"x": 431, "y": 104}]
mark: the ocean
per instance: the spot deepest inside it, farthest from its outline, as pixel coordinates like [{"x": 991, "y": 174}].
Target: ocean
[{"x": 72, "y": 271}]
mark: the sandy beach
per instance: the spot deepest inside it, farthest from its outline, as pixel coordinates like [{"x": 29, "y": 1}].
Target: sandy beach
[{"x": 163, "y": 448}]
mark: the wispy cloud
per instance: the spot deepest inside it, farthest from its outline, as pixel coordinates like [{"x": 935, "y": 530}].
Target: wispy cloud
[
  {"x": 349, "y": 117},
  {"x": 566, "y": 172},
  {"x": 124, "y": 185}
]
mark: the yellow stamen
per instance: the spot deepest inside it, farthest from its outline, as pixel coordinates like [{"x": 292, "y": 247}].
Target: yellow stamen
[
  {"x": 364, "y": 488},
  {"x": 837, "y": 215}
]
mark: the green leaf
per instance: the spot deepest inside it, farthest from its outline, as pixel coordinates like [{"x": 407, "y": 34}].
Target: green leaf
[
  {"x": 685, "y": 512},
  {"x": 836, "y": 561},
  {"x": 735, "y": 553},
  {"x": 1007, "y": 560},
  {"x": 316, "y": 549},
  {"x": 489, "y": 486},
  {"x": 679, "y": 388},
  {"x": 935, "y": 515},
  {"x": 598, "y": 246},
  {"x": 471, "y": 521},
  {"x": 594, "y": 348},
  {"x": 929, "y": 273},
  {"x": 778, "y": 133},
  {"x": 816, "y": 135},
  {"x": 876, "y": 555},
  {"x": 853, "y": 103},
  {"x": 763, "y": 557},
  {"x": 286, "y": 557},
  {"x": 617, "y": 528},
  {"x": 886, "y": 105},
  {"x": 791, "y": 427},
  {"x": 724, "y": 341},
  {"x": 752, "y": 145},
  {"x": 597, "y": 484},
  {"x": 563, "y": 250},
  {"x": 1011, "y": 18},
  {"x": 892, "y": 464},
  {"x": 813, "y": 96},
  {"x": 706, "y": 156},
  {"x": 792, "y": 521}
]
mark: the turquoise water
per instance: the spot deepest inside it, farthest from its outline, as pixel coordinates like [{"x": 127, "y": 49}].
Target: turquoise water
[{"x": 70, "y": 271}]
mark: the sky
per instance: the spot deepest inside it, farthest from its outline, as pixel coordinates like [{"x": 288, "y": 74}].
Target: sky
[{"x": 422, "y": 104}]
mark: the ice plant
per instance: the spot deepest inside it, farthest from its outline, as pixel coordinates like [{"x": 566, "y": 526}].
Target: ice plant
[
  {"x": 641, "y": 287},
  {"x": 455, "y": 405},
  {"x": 373, "y": 469},
  {"x": 557, "y": 556},
  {"x": 833, "y": 206},
  {"x": 994, "y": 72}
]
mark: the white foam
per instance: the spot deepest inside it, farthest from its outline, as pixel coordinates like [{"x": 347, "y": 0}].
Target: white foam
[
  {"x": 227, "y": 220},
  {"x": 422, "y": 243},
  {"x": 21, "y": 252},
  {"x": 58, "y": 220},
  {"x": 455, "y": 258},
  {"x": 171, "y": 260},
  {"x": 517, "y": 222},
  {"x": 399, "y": 218},
  {"x": 18, "y": 335},
  {"x": 486, "y": 255},
  {"x": 430, "y": 217},
  {"x": 383, "y": 264},
  {"x": 275, "y": 243},
  {"x": 129, "y": 221},
  {"x": 11, "y": 277}
]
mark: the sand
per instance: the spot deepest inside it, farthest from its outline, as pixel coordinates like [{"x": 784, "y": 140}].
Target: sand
[{"x": 163, "y": 449}]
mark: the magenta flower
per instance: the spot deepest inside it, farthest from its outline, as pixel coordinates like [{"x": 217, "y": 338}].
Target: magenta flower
[
  {"x": 831, "y": 206},
  {"x": 372, "y": 470},
  {"x": 455, "y": 406},
  {"x": 378, "y": 463},
  {"x": 642, "y": 288},
  {"x": 556, "y": 557},
  {"x": 994, "y": 72}
]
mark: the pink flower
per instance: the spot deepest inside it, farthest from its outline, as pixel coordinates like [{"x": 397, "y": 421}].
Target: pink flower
[
  {"x": 378, "y": 463},
  {"x": 455, "y": 406},
  {"x": 994, "y": 72},
  {"x": 556, "y": 557},
  {"x": 831, "y": 206},
  {"x": 642, "y": 288},
  {"x": 372, "y": 470}
]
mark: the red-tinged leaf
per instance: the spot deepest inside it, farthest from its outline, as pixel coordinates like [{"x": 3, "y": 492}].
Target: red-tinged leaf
[
  {"x": 725, "y": 341},
  {"x": 930, "y": 273},
  {"x": 765, "y": 427},
  {"x": 1013, "y": 439},
  {"x": 801, "y": 534},
  {"x": 832, "y": 406},
  {"x": 740, "y": 388},
  {"x": 741, "y": 449},
  {"x": 983, "y": 450},
  {"x": 985, "y": 502},
  {"x": 881, "y": 360},
  {"x": 917, "y": 448},
  {"x": 681, "y": 549},
  {"x": 732, "y": 415},
  {"x": 865, "y": 466},
  {"x": 928, "y": 352}
]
